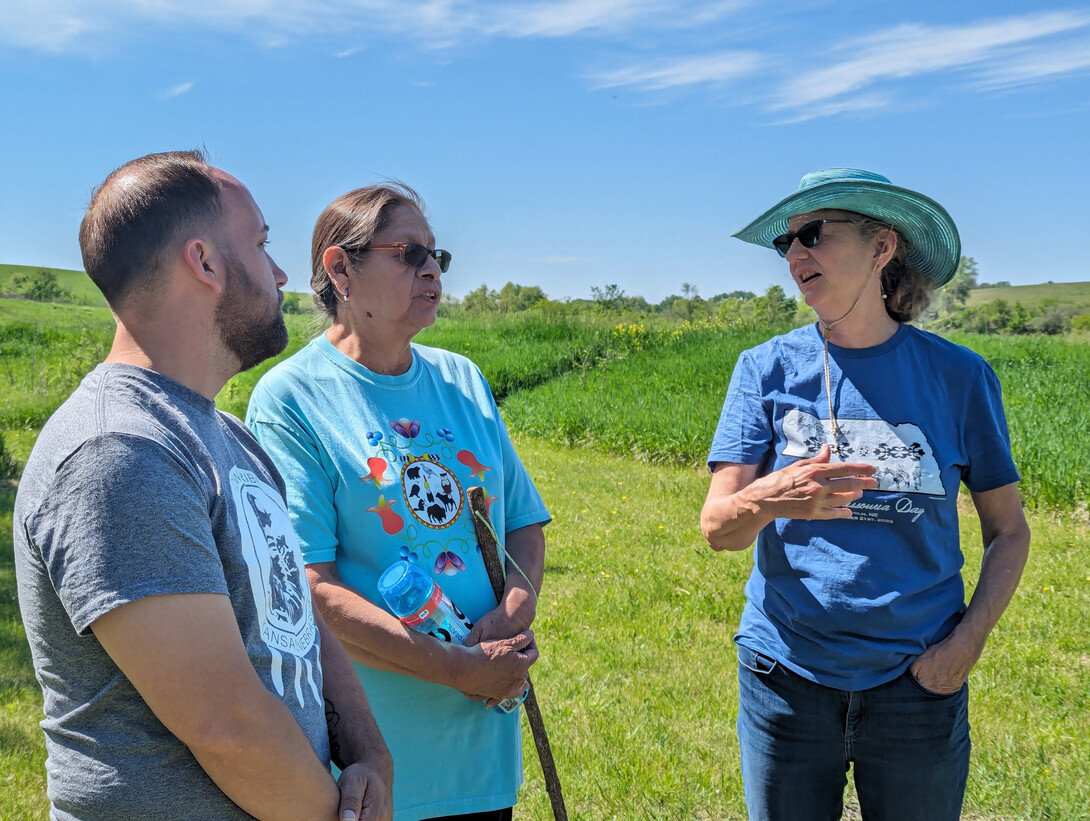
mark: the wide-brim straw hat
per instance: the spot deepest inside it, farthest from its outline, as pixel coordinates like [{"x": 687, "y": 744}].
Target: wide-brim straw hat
[{"x": 934, "y": 244}]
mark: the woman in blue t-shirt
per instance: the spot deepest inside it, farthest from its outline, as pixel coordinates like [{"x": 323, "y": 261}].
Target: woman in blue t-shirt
[
  {"x": 840, "y": 452},
  {"x": 379, "y": 439}
]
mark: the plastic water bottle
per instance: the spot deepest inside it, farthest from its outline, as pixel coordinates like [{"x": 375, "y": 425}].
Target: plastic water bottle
[{"x": 421, "y": 604}]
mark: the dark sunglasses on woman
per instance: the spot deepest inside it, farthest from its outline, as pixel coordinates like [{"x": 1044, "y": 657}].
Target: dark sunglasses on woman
[
  {"x": 808, "y": 236},
  {"x": 412, "y": 253}
]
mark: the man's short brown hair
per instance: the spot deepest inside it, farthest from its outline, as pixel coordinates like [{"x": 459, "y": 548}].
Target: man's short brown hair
[{"x": 139, "y": 212}]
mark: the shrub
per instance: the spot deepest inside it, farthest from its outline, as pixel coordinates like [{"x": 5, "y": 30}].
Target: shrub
[{"x": 42, "y": 287}]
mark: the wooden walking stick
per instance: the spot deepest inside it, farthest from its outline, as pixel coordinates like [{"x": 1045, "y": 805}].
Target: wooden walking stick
[{"x": 491, "y": 553}]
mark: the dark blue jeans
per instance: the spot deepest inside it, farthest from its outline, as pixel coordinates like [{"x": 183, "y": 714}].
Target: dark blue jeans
[{"x": 910, "y": 747}]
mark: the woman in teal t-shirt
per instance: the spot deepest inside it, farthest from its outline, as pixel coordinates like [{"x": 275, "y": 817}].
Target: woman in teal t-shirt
[{"x": 378, "y": 440}]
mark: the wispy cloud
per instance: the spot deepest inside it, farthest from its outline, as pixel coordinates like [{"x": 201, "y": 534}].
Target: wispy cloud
[
  {"x": 59, "y": 25},
  {"x": 647, "y": 46},
  {"x": 911, "y": 50},
  {"x": 562, "y": 18},
  {"x": 687, "y": 71},
  {"x": 858, "y": 104},
  {"x": 175, "y": 91},
  {"x": 1034, "y": 65}
]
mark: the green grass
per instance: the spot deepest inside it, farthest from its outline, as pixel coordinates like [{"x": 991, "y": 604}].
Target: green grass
[
  {"x": 637, "y": 674},
  {"x": 660, "y": 404},
  {"x": 553, "y": 376},
  {"x": 1046, "y": 394},
  {"x": 45, "y": 350},
  {"x": 531, "y": 350}
]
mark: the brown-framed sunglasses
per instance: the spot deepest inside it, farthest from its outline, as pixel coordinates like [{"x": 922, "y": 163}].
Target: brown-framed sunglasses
[{"x": 411, "y": 253}]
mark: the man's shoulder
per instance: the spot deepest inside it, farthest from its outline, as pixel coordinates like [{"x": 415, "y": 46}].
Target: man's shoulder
[{"x": 120, "y": 416}]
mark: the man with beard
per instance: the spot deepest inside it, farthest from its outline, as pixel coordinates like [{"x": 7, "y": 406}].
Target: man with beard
[{"x": 175, "y": 686}]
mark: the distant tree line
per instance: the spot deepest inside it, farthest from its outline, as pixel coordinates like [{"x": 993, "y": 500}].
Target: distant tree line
[{"x": 773, "y": 307}]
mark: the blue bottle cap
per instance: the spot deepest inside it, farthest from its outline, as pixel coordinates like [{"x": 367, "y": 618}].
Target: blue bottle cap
[{"x": 396, "y": 580}]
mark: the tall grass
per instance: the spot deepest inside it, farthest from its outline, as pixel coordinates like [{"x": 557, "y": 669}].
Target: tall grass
[
  {"x": 45, "y": 350},
  {"x": 1046, "y": 392},
  {"x": 659, "y": 403},
  {"x": 520, "y": 352},
  {"x": 646, "y": 391}
]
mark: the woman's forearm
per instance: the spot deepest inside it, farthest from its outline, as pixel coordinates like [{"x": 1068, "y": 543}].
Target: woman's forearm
[{"x": 378, "y": 639}]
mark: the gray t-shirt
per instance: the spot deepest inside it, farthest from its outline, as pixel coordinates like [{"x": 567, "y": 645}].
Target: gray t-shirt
[{"x": 139, "y": 487}]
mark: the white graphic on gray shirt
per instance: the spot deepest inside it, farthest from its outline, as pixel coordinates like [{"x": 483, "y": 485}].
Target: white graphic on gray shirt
[
  {"x": 903, "y": 458},
  {"x": 277, "y": 578}
]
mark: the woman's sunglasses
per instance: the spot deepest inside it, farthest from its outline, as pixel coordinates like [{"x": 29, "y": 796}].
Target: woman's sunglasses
[
  {"x": 412, "y": 253},
  {"x": 808, "y": 236}
]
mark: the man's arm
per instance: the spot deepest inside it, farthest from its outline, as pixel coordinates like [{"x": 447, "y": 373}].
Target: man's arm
[
  {"x": 355, "y": 743},
  {"x": 944, "y": 666},
  {"x": 183, "y": 653}
]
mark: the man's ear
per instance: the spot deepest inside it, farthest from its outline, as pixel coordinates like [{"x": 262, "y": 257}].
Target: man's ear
[{"x": 202, "y": 262}]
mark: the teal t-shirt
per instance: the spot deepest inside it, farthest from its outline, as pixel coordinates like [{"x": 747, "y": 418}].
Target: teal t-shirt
[{"x": 377, "y": 469}]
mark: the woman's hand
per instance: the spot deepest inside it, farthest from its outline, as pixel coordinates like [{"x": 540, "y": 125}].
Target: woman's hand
[
  {"x": 510, "y": 617},
  {"x": 495, "y": 669},
  {"x": 816, "y": 488},
  {"x": 943, "y": 667},
  {"x": 740, "y": 504}
]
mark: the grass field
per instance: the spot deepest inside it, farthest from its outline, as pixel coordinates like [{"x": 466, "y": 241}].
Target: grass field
[
  {"x": 636, "y": 678},
  {"x": 1032, "y": 296},
  {"x": 45, "y": 350},
  {"x": 637, "y": 675}
]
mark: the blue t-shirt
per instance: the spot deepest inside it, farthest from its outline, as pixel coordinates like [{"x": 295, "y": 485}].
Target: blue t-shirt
[
  {"x": 848, "y": 603},
  {"x": 377, "y": 469}
]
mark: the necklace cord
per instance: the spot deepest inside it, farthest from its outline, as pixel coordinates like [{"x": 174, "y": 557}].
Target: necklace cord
[{"x": 826, "y": 332}]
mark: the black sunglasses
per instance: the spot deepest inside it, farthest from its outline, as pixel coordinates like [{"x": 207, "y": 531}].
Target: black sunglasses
[
  {"x": 412, "y": 253},
  {"x": 808, "y": 236}
]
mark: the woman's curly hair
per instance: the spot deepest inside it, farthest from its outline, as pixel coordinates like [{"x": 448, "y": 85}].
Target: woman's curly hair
[{"x": 907, "y": 291}]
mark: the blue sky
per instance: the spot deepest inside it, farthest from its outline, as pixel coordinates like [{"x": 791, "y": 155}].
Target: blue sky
[{"x": 562, "y": 144}]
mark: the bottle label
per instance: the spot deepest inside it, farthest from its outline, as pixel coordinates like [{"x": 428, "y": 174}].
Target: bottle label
[
  {"x": 427, "y": 611},
  {"x": 450, "y": 623}
]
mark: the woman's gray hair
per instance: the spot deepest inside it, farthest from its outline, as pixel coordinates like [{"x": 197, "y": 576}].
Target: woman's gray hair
[
  {"x": 351, "y": 221},
  {"x": 907, "y": 291}
]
